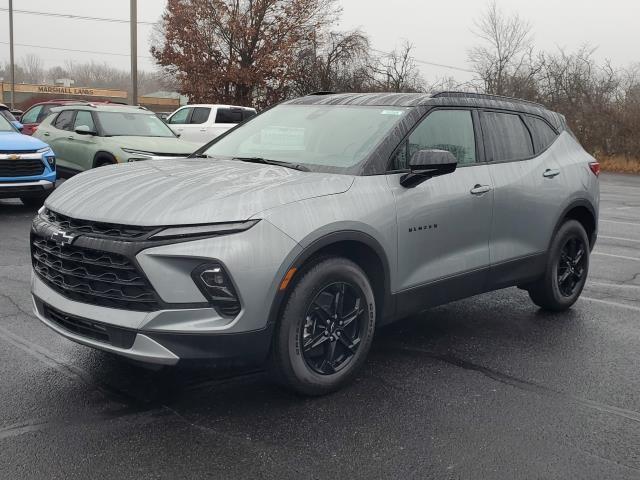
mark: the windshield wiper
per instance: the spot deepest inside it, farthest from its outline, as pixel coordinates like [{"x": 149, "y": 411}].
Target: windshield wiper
[
  {"x": 199, "y": 155},
  {"x": 279, "y": 163}
]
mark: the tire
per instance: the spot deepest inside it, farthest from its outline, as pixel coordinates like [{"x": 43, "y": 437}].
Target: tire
[
  {"x": 35, "y": 200},
  {"x": 309, "y": 317},
  {"x": 551, "y": 292},
  {"x": 104, "y": 160}
]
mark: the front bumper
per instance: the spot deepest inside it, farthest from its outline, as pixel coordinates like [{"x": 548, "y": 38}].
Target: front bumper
[
  {"x": 196, "y": 331},
  {"x": 25, "y": 188}
]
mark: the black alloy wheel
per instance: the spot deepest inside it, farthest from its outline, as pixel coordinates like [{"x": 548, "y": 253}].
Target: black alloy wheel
[
  {"x": 333, "y": 326},
  {"x": 566, "y": 270},
  {"x": 571, "y": 267}
]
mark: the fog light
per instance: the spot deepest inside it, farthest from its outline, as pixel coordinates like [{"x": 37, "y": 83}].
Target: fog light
[
  {"x": 51, "y": 161},
  {"x": 215, "y": 284}
]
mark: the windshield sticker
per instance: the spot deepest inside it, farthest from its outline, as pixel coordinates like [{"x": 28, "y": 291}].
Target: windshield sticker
[
  {"x": 290, "y": 138},
  {"x": 391, "y": 112}
]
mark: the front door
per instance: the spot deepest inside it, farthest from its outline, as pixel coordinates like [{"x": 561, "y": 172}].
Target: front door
[{"x": 444, "y": 223}]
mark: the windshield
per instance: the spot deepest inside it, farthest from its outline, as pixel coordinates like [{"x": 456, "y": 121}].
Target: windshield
[
  {"x": 322, "y": 137},
  {"x": 133, "y": 124},
  {"x": 5, "y": 126},
  {"x": 8, "y": 115}
]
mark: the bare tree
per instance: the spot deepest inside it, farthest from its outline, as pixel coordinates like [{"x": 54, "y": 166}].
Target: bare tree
[
  {"x": 397, "y": 71},
  {"x": 32, "y": 69},
  {"x": 505, "y": 50}
]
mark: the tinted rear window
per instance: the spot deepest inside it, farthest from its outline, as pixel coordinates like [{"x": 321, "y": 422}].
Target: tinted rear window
[
  {"x": 543, "y": 135},
  {"x": 229, "y": 115},
  {"x": 506, "y": 137},
  {"x": 64, "y": 120},
  {"x": 200, "y": 115},
  {"x": 246, "y": 114}
]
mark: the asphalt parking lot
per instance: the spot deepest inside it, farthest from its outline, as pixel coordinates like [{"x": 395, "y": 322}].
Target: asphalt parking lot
[{"x": 489, "y": 387}]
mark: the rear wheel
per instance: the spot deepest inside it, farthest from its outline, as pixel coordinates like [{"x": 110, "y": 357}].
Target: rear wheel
[
  {"x": 567, "y": 269},
  {"x": 326, "y": 329}
]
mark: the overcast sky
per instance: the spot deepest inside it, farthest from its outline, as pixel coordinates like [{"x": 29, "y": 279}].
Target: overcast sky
[{"x": 440, "y": 31}]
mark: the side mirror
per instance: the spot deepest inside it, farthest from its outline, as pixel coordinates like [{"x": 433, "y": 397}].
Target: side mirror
[
  {"x": 425, "y": 164},
  {"x": 85, "y": 130}
]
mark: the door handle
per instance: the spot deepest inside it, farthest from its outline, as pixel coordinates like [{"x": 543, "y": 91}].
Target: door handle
[
  {"x": 480, "y": 189},
  {"x": 550, "y": 173},
  {"x": 203, "y": 129},
  {"x": 70, "y": 137},
  {"x": 46, "y": 134}
]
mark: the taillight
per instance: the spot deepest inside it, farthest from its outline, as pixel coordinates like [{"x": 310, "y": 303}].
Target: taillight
[{"x": 595, "y": 168}]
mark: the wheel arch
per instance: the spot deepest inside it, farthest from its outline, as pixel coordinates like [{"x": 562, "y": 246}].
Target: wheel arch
[
  {"x": 103, "y": 155},
  {"x": 359, "y": 247},
  {"x": 583, "y": 211}
]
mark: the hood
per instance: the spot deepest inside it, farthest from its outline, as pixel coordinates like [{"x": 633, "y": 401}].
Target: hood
[
  {"x": 15, "y": 141},
  {"x": 159, "y": 145},
  {"x": 187, "y": 191}
]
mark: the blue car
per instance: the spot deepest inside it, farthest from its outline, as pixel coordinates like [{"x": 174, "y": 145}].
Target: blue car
[
  {"x": 6, "y": 113},
  {"x": 27, "y": 166}
]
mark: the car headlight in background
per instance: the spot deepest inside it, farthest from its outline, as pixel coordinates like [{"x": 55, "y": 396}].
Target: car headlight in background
[
  {"x": 204, "y": 230},
  {"x": 48, "y": 155},
  {"x": 138, "y": 155},
  {"x": 215, "y": 284}
]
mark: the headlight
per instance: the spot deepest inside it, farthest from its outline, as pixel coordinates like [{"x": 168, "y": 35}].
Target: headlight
[
  {"x": 204, "y": 230},
  {"x": 138, "y": 153},
  {"x": 43, "y": 149},
  {"x": 215, "y": 284}
]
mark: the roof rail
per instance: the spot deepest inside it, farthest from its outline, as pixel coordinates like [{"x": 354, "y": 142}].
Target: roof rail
[{"x": 486, "y": 96}]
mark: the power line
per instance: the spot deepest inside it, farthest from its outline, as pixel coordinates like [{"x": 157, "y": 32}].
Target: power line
[
  {"x": 76, "y": 50},
  {"x": 433, "y": 64},
  {"x": 74, "y": 17}
]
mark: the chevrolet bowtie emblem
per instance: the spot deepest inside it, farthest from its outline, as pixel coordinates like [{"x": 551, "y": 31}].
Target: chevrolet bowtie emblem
[
  {"x": 63, "y": 238},
  {"x": 13, "y": 156}
]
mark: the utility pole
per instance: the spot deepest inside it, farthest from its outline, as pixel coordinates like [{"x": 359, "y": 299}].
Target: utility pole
[
  {"x": 13, "y": 72},
  {"x": 133, "y": 21}
]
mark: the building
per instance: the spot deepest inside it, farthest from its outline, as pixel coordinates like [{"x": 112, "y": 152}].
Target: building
[{"x": 27, "y": 94}]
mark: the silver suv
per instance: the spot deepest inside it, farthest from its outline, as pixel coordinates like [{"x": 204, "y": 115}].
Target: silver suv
[{"x": 291, "y": 238}]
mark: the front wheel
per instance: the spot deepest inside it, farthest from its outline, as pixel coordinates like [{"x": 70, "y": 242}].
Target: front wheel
[
  {"x": 567, "y": 269},
  {"x": 326, "y": 328}
]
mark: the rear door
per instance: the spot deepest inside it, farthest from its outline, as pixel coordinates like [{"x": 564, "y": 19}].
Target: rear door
[
  {"x": 443, "y": 223},
  {"x": 59, "y": 137},
  {"x": 527, "y": 193},
  {"x": 226, "y": 118}
]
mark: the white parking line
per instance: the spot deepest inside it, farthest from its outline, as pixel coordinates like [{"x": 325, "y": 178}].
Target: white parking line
[
  {"x": 624, "y": 257},
  {"x": 621, "y": 223},
  {"x": 613, "y": 304},
  {"x": 612, "y": 285},
  {"x": 619, "y": 238}
]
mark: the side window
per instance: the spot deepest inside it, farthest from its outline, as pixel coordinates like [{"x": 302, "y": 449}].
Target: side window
[
  {"x": 229, "y": 115},
  {"x": 64, "y": 120},
  {"x": 543, "y": 135},
  {"x": 450, "y": 130},
  {"x": 31, "y": 116},
  {"x": 506, "y": 137},
  {"x": 200, "y": 115},
  {"x": 84, "y": 117},
  {"x": 180, "y": 117},
  {"x": 44, "y": 113},
  {"x": 247, "y": 114}
]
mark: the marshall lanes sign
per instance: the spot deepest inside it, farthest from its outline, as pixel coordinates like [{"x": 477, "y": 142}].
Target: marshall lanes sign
[
  {"x": 75, "y": 91},
  {"x": 65, "y": 90}
]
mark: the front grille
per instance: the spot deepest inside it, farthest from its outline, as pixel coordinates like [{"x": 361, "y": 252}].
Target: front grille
[
  {"x": 92, "y": 276},
  {"x": 21, "y": 168},
  {"x": 21, "y": 152},
  {"x": 98, "y": 331},
  {"x": 96, "y": 228}
]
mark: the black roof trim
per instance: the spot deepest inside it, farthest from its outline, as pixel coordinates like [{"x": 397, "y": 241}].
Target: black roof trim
[{"x": 484, "y": 96}]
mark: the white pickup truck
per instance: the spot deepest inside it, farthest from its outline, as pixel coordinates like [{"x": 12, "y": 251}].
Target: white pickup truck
[{"x": 202, "y": 123}]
